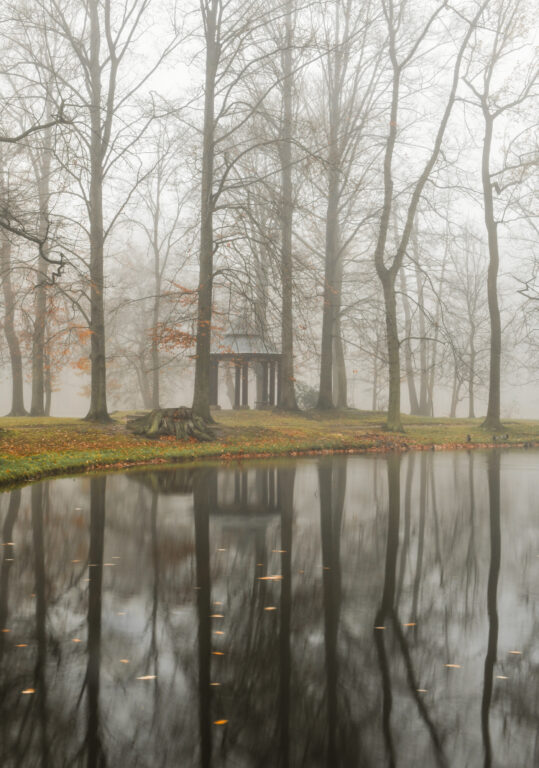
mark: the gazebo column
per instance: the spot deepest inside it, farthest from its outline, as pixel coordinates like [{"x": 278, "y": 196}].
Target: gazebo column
[
  {"x": 214, "y": 382},
  {"x": 279, "y": 381},
  {"x": 272, "y": 383},
  {"x": 245, "y": 385},
  {"x": 264, "y": 383},
  {"x": 237, "y": 385}
]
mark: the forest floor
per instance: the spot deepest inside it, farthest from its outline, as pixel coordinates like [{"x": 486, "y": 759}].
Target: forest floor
[{"x": 32, "y": 448}]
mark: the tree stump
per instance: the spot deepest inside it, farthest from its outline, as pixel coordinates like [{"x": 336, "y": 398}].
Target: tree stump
[{"x": 178, "y": 422}]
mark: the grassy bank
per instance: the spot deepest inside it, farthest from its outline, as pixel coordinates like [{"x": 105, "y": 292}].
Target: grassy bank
[{"x": 31, "y": 448}]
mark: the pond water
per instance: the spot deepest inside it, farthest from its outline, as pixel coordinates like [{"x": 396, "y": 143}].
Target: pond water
[{"x": 362, "y": 611}]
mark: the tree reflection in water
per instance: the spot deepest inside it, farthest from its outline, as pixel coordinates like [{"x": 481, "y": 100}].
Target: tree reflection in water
[
  {"x": 96, "y": 757},
  {"x": 493, "y": 470},
  {"x": 224, "y": 616}
]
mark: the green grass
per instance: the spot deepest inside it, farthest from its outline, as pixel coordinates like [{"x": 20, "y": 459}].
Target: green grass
[{"x": 32, "y": 448}]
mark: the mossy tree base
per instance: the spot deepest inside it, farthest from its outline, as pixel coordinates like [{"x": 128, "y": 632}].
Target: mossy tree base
[
  {"x": 493, "y": 425},
  {"x": 393, "y": 426}
]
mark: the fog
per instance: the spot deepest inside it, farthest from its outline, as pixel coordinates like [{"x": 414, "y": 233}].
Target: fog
[{"x": 350, "y": 187}]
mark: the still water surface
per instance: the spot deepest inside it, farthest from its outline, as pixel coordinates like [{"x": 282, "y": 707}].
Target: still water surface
[{"x": 340, "y": 612}]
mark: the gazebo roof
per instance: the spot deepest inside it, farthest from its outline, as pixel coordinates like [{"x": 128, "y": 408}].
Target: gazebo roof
[{"x": 244, "y": 343}]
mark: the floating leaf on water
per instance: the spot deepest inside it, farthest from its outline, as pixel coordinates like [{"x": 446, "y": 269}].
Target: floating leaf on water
[
  {"x": 516, "y": 653},
  {"x": 379, "y": 627},
  {"x": 215, "y": 684},
  {"x": 75, "y": 561},
  {"x": 501, "y": 677},
  {"x": 21, "y": 645},
  {"x": 276, "y": 577},
  {"x": 75, "y": 640},
  {"x": 29, "y": 690},
  {"x": 217, "y": 616},
  {"x": 270, "y": 608},
  {"x": 220, "y": 722},
  {"x": 410, "y": 624},
  {"x": 421, "y": 690},
  {"x": 453, "y": 666},
  {"x": 218, "y": 632},
  {"x": 124, "y": 661},
  {"x": 147, "y": 677},
  {"x": 6, "y": 630},
  {"x": 217, "y": 653}
]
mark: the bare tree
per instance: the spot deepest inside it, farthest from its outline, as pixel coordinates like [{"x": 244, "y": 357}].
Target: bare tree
[
  {"x": 287, "y": 394},
  {"x": 502, "y": 36},
  {"x": 99, "y": 81},
  {"x": 404, "y": 47},
  {"x": 351, "y": 75}
]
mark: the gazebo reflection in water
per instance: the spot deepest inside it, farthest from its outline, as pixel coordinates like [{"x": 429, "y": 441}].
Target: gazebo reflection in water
[
  {"x": 249, "y": 492},
  {"x": 244, "y": 501}
]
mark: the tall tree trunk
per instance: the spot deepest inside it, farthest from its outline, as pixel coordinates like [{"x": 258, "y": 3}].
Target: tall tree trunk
[
  {"x": 432, "y": 371},
  {"x": 376, "y": 371},
  {"x": 143, "y": 382},
  {"x": 492, "y": 420},
  {"x": 156, "y": 303},
  {"x": 155, "y": 359},
  {"x": 48, "y": 389},
  {"x": 329, "y": 312},
  {"x": 98, "y": 386},
  {"x": 408, "y": 361},
  {"x": 374, "y": 402},
  {"x": 43, "y": 167},
  {"x": 387, "y": 275},
  {"x": 37, "y": 407},
  {"x": 287, "y": 393},
  {"x": 471, "y": 374},
  {"x": 457, "y": 383},
  {"x": 201, "y": 399},
  {"x": 17, "y": 394},
  {"x": 424, "y": 405},
  {"x": 393, "y": 423},
  {"x": 340, "y": 384}
]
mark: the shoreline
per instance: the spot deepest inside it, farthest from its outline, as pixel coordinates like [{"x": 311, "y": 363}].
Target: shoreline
[{"x": 36, "y": 449}]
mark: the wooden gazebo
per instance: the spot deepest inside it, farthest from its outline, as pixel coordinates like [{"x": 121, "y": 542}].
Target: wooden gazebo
[{"x": 243, "y": 349}]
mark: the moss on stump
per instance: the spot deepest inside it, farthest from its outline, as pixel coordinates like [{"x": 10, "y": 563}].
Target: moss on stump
[{"x": 181, "y": 423}]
